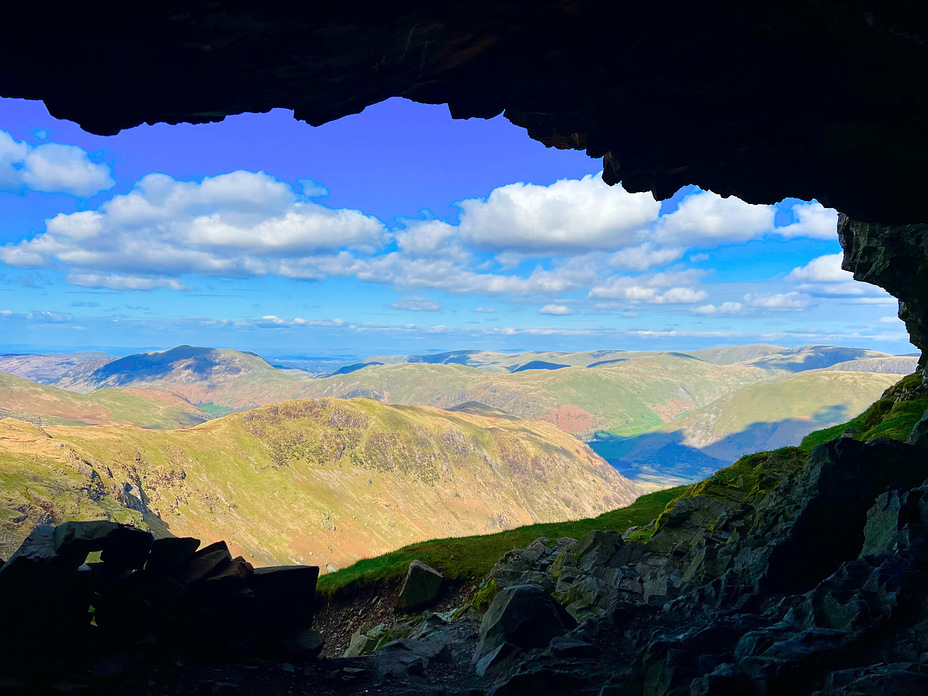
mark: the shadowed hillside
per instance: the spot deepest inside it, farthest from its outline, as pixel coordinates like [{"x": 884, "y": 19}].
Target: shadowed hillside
[{"x": 753, "y": 418}]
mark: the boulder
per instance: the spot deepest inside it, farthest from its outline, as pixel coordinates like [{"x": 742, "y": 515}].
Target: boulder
[
  {"x": 523, "y": 617},
  {"x": 301, "y": 644},
  {"x": 364, "y": 643},
  {"x": 565, "y": 646},
  {"x": 169, "y": 556},
  {"x": 597, "y": 548},
  {"x": 284, "y": 594},
  {"x": 205, "y": 562},
  {"x": 126, "y": 548},
  {"x": 411, "y": 657},
  {"x": 919, "y": 435},
  {"x": 421, "y": 586},
  {"x": 77, "y": 539}
]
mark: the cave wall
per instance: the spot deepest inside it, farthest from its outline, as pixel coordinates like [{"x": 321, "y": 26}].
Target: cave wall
[
  {"x": 825, "y": 100},
  {"x": 894, "y": 257}
]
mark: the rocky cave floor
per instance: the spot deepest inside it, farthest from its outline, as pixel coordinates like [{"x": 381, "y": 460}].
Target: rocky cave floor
[{"x": 786, "y": 574}]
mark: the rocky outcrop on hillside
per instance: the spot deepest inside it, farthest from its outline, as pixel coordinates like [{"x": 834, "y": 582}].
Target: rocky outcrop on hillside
[
  {"x": 787, "y": 574},
  {"x": 894, "y": 257},
  {"x": 143, "y": 596}
]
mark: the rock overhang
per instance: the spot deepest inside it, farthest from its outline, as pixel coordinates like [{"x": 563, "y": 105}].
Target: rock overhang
[{"x": 824, "y": 100}]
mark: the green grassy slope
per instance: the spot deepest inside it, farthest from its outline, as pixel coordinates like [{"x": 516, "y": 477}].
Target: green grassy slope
[
  {"x": 38, "y": 403},
  {"x": 752, "y": 477},
  {"x": 470, "y": 557},
  {"x": 775, "y": 414}
]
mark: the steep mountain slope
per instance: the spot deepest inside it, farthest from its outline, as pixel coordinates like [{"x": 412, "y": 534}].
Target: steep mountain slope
[
  {"x": 226, "y": 378},
  {"x": 627, "y": 397},
  {"x": 753, "y": 418},
  {"x": 316, "y": 481},
  {"x": 47, "y": 368},
  {"x": 38, "y": 403}
]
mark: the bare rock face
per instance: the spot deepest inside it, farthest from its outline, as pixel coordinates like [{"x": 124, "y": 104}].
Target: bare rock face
[
  {"x": 761, "y": 100},
  {"x": 894, "y": 257}
]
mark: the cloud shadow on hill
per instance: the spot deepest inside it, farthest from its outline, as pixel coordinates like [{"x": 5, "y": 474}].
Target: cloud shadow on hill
[{"x": 664, "y": 457}]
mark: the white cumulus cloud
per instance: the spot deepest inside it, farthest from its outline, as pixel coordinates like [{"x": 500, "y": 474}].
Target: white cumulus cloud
[
  {"x": 235, "y": 225},
  {"x": 812, "y": 220},
  {"x": 823, "y": 276},
  {"x": 724, "y": 308},
  {"x": 644, "y": 257},
  {"x": 783, "y": 301},
  {"x": 50, "y": 168},
  {"x": 568, "y": 216},
  {"x": 824, "y": 269},
  {"x": 705, "y": 217}
]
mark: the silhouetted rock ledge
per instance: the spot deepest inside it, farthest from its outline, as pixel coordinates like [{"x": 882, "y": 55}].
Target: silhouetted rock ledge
[{"x": 160, "y": 594}]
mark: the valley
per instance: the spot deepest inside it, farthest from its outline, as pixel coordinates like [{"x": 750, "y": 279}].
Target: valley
[
  {"x": 323, "y": 482},
  {"x": 662, "y": 418},
  {"x": 293, "y": 468}
]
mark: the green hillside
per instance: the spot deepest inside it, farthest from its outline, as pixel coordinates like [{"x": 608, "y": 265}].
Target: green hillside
[
  {"x": 767, "y": 416},
  {"x": 316, "y": 481},
  {"x": 628, "y": 397},
  {"x": 752, "y": 477},
  {"x": 37, "y": 403}
]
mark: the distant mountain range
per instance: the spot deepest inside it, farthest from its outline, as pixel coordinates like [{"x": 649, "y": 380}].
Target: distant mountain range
[
  {"x": 712, "y": 404},
  {"x": 315, "y": 481}
]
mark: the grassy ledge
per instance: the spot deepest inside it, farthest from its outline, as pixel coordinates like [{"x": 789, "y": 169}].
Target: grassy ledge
[{"x": 464, "y": 558}]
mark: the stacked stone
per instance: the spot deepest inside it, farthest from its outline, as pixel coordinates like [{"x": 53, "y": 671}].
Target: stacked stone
[{"x": 167, "y": 593}]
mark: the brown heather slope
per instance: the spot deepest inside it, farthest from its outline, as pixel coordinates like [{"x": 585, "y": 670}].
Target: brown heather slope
[{"x": 315, "y": 481}]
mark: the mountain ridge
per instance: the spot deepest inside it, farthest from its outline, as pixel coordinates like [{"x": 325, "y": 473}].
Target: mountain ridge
[{"x": 321, "y": 481}]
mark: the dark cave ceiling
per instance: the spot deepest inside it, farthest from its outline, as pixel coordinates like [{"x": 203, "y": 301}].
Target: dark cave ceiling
[{"x": 825, "y": 100}]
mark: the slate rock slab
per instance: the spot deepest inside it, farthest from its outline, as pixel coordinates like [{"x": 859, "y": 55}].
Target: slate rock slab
[
  {"x": 421, "y": 586},
  {"x": 524, "y": 617}
]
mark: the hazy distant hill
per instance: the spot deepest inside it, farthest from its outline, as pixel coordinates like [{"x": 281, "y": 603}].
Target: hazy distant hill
[
  {"x": 895, "y": 365},
  {"x": 38, "y": 403},
  {"x": 769, "y": 357},
  {"x": 227, "y": 378},
  {"x": 629, "y": 397},
  {"x": 315, "y": 481},
  {"x": 46, "y": 369}
]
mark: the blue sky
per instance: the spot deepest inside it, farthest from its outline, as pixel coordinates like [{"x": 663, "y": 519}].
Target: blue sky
[{"x": 396, "y": 230}]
